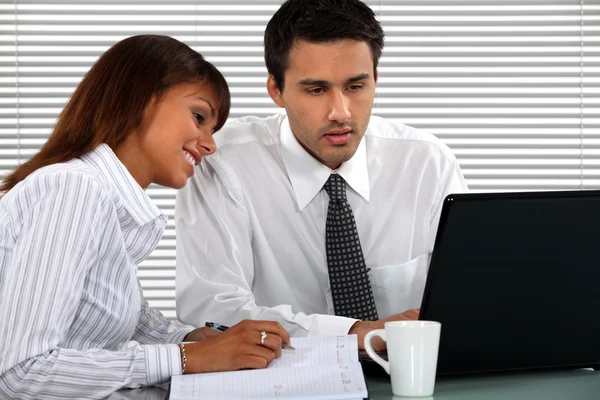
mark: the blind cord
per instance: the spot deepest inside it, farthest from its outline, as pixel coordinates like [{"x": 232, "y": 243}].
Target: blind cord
[
  {"x": 581, "y": 102},
  {"x": 17, "y": 88}
]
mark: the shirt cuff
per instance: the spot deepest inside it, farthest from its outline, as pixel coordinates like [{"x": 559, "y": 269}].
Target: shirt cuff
[
  {"x": 331, "y": 325},
  {"x": 162, "y": 362}
]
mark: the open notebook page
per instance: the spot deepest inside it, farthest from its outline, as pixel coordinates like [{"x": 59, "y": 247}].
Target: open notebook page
[
  {"x": 321, "y": 367},
  {"x": 316, "y": 382},
  {"x": 319, "y": 350}
]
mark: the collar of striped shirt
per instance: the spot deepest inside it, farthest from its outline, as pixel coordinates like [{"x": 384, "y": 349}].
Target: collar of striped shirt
[{"x": 133, "y": 197}]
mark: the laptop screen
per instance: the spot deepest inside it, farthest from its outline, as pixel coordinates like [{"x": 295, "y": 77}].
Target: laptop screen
[{"x": 514, "y": 279}]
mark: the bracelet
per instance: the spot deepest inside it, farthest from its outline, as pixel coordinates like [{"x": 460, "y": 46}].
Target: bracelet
[{"x": 183, "y": 357}]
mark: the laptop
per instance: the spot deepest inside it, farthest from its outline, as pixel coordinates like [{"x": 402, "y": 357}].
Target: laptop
[{"x": 515, "y": 281}]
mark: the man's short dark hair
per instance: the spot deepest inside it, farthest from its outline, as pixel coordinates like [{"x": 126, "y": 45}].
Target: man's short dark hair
[{"x": 318, "y": 21}]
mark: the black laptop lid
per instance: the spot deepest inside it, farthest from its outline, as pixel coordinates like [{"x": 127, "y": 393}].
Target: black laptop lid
[{"x": 514, "y": 279}]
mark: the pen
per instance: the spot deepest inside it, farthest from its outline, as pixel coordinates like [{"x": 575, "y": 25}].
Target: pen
[{"x": 223, "y": 328}]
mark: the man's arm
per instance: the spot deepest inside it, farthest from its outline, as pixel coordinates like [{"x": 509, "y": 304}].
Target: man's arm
[
  {"x": 215, "y": 267},
  {"x": 453, "y": 182}
]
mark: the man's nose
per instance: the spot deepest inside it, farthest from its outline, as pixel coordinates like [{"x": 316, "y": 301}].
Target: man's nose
[{"x": 340, "y": 112}]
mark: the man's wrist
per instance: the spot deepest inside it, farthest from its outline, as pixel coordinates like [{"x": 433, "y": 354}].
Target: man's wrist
[
  {"x": 355, "y": 328},
  {"x": 363, "y": 327}
]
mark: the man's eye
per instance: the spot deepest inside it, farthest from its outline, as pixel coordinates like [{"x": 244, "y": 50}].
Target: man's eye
[
  {"x": 315, "y": 91},
  {"x": 199, "y": 117},
  {"x": 355, "y": 87}
]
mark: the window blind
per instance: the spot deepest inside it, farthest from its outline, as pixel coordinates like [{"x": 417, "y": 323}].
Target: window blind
[{"x": 513, "y": 87}]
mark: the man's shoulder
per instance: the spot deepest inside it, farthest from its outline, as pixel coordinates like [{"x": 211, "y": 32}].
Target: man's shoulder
[
  {"x": 394, "y": 133},
  {"x": 246, "y": 147},
  {"x": 250, "y": 129},
  {"x": 383, "y": 128}
]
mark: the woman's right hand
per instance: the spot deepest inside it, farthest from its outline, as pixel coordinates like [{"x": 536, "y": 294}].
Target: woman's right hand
[{"x": 239, "y": 347}]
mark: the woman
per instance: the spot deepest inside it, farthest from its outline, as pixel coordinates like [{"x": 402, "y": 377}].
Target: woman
[{"x": 75, "y": 222}]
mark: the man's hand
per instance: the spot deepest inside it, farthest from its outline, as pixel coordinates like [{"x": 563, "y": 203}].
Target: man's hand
[{"x": 361, "y": 328}]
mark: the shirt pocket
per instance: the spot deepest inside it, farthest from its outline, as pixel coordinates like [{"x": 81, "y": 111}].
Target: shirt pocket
[{"x": 398, "y": 288}]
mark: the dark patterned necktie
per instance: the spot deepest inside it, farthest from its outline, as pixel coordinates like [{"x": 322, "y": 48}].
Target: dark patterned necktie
[{"x": 350, "y": 285}]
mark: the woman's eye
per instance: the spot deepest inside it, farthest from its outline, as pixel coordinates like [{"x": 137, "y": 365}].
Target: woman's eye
[{"x": 199, "y": 117}]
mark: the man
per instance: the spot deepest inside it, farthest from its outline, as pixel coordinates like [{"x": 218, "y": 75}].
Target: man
[{"x": 323, "y": 218}]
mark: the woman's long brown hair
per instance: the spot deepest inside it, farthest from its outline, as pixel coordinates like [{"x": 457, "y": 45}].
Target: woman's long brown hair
[{"x": 110, "y": 101}]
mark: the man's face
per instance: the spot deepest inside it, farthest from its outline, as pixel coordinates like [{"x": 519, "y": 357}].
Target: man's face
[{"x": 328, "y": 95}]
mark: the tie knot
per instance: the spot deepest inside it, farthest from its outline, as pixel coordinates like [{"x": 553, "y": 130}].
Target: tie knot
[{"x": 336, "y": 188}]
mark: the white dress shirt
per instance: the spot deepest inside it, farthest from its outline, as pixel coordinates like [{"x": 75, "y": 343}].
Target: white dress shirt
[
  {"x": 73, "y": 323},
  {"x": 251, "y": 224}
]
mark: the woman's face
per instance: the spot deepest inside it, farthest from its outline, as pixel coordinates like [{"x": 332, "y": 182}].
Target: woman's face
[{"x": 175, "y": 133}]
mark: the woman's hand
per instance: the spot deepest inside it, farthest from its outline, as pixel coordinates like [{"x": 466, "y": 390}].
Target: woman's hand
[
  {"x": 199, "y": 334},
  {"x": 239, "y": 347}
]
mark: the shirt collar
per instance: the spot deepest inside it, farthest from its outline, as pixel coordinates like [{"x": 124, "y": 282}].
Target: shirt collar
[
  {"x": 133, "y": 197},
  {"x": 307, "y": 175}
]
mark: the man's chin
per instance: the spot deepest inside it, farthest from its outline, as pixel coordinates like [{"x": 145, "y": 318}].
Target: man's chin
[{"x": 335, "y": 162}]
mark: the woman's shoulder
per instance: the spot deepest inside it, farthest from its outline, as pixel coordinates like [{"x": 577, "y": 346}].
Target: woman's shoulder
[{"x": 61, "y": 181}]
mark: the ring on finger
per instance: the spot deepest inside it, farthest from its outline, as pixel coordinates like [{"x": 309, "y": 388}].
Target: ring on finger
[{"x": 263, "y": 336}]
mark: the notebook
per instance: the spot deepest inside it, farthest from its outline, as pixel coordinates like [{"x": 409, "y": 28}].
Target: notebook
[{"x": 321, "y": 367}]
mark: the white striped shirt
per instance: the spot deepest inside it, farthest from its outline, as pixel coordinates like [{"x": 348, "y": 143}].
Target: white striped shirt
[{"x": 73, "y": 322}]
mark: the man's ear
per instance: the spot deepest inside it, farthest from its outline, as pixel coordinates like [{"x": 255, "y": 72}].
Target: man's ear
[{"x": 274, "y": 91}]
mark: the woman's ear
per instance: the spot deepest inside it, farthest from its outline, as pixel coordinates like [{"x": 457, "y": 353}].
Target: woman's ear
[{"x": 274, "y": 91}]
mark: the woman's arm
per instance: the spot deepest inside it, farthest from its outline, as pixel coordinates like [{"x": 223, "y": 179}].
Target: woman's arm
[
  {"x": 56, "y": 221},
  {"x": 41, "y": 286},
  {"x": 153, "y": 327}
]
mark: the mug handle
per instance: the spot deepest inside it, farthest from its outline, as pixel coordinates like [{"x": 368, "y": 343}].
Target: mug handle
[{"x": 368, "y": 337}]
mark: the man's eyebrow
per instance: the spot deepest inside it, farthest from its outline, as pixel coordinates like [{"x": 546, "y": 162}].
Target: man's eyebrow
[
  {"x": 313, "y": 82},
  {"x": 212, "y": 109},
  {"x": 357, "y": 78},
  {"x": 323, "y": 82}
]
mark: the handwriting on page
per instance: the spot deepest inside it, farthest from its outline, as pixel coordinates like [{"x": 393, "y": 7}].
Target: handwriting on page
[
  {"x": 322, "y": 382},
  {"x": 319, "y": 350}
]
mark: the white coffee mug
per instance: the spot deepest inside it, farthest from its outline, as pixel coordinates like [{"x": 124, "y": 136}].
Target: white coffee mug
[{"x": 412, "y": 348}]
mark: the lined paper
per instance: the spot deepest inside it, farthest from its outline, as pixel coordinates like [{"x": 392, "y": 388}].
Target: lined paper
[
  {"x": 321, "y": 367},
  {"x": 319, "y": 350},
  {"x": 315, "y": 382}
]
